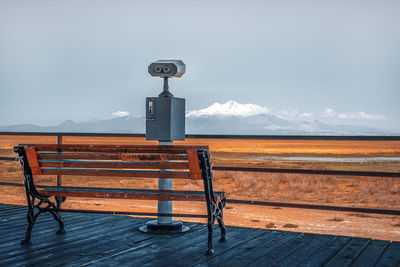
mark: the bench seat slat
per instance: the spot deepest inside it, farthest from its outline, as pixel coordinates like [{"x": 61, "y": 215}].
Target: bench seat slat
[
  {"x": 113, "y": 164},
  {"x": 122, "y": 193},
  {"x": 118, "y": 173},
  {"x": 113, "y": 150},
  {"x": 109, "y": 156}
]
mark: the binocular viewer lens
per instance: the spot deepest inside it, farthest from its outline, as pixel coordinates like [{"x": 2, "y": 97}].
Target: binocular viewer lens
[{"x": 159, "y": 69}]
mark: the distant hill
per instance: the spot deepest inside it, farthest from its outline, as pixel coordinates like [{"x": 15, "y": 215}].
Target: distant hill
[
  {"x": 127, "y": 124},
  {"x": 228, "y": 118}
]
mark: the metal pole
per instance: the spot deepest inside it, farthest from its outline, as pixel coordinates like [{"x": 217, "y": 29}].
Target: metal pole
[
  {"x": 165, "y": 86},
  {"x": 164, "y": 224},
  {"x": 164, "y": 184},
  {"x": 59, "y": 142}
]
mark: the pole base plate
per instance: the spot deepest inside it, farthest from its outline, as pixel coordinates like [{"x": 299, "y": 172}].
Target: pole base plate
[{"x": 153, "y": 227}]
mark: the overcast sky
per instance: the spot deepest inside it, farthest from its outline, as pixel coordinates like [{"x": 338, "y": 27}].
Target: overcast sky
[{"x": 84, "y": 60}]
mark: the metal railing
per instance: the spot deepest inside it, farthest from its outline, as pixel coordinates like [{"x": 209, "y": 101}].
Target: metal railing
[
  {"x": 221, "y": 136},
  {"x": 59, "y": 138}
]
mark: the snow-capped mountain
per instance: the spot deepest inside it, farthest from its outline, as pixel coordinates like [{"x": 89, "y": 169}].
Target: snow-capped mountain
[
  {"x": 127, "y": 124},
  {"x": 235, "y": 118},
  {"x": 230, "y": 108},
  {"x": 228, "y": 118}
]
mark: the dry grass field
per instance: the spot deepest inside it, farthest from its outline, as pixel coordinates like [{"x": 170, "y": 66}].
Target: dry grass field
[{"x": 378, "y": 192}]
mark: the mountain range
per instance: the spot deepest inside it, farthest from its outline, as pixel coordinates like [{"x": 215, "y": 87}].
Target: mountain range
[{"x": 228, "y": 118}]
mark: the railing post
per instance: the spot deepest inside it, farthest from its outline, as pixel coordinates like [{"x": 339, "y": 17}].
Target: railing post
[{"x": 59, "y": 142}]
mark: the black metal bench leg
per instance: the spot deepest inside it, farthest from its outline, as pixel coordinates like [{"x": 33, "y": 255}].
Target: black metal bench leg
[
  {"x": 31, "y": 221},
  {"x": 210, "y": 226},
  {"x": 56, "y": 214},
  {"x": 58, "y": 218},
  {"x": 221, "y": 224}
]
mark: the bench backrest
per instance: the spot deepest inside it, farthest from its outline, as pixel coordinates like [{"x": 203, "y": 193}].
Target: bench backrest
[{"x": 141, "y": 161}]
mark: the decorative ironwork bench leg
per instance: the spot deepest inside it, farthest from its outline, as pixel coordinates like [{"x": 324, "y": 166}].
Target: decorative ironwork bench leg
[
  {"x": 56, "y": 214},
  {"x": 58, "y": 218},
  {"x": 210, "y": 226},
  {"x": 214, "y": 210},
  {"x": 31, "y": 221},
  {"x": 30, "y": 217},
  {"x": 221, "y": 223}
]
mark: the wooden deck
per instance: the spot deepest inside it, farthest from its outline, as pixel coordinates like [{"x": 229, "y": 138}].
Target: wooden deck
[{"x": 98, "y": 239}]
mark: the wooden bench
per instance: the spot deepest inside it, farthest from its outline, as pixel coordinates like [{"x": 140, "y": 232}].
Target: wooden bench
[{"x": 133, "y": 161}]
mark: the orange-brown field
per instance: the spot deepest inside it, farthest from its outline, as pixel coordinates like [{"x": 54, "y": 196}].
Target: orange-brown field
[{"x": 331, "y": 190}]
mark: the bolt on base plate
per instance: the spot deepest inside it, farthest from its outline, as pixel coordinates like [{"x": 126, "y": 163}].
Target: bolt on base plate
[{"x": 153, "y": 227}]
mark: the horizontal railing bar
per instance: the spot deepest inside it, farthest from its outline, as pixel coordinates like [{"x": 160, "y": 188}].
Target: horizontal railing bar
[
  {"x": 296, "y": 171},
  {"x": 298, "y": 137},
  {"x": 253, "y": 202},
  {"x": 313, "y": 206},
  {"x": 20, "y": 184},
  {"x": 7, "y": 158},
  {"x": 220, "y": 136},
  {"x": 307, "y": 171},
  {"x": 12, "y": 184},
  {"x": 74, "y": 134}
]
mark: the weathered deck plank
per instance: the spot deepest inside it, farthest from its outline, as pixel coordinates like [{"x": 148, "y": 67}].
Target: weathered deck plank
[
  {"x": 12, "y": 241},
  {"x": 107, "y": 240},
  {"x": 44, "y": 222},
  {"x": 92, "y": 243},
  {"x": 113, "y": 246},
  {"x": 223, "y": 258},
  {"x": 169, "y": 246},
  {"x": 326, "y": 252},
  {"x": 349, "y": 253},
  {"x": 282, "y": 251},
  {"x": 263, "y": 247},
  {"x": 196, "y": 252},
  {"x": 370, "y": 255},
  {"x": 303, "y": 253},
  {"x": 50, "y": 243},
  {"x": 391, "y": 256}
]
